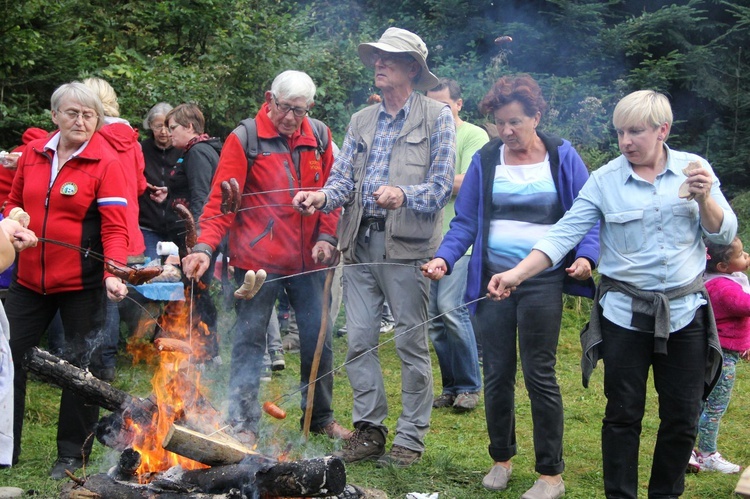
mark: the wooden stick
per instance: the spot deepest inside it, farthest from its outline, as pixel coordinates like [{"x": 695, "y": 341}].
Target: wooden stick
[{"x": 318, "y": 352}]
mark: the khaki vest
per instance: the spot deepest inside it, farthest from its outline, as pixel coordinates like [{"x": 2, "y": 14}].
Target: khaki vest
[{"x": 409, "y": 234}]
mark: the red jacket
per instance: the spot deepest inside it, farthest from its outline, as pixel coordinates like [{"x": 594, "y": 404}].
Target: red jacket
[
  {"x": 268, "y": 233},
  {"x": 124, "y": 140},
  {"x": 85, "y": 207},
  {"x": 7, "y": 174}
]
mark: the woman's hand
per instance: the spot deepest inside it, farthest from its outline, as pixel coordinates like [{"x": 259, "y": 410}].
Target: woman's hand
[
  {"x": 435, "y": 269},
  {"x": 156, "y": 193},
  {"x": 581, "y": 269},
  {"x": 699, "y": 184},
  {"x": 501, "y": 285},
  {"x": 116, "y": 289},
  {"x": 20, "y": 237}
]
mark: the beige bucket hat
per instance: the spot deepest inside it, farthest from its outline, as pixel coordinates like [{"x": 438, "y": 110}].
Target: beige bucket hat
[{"x": 397, "y": 40}]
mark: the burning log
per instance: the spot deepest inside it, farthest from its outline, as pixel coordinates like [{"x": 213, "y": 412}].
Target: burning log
[
  {"x": 82, "y": 382},
  {"x": 103, "y": 486},
  {"x": 213, "y": 450},
  {"x": 319, "y": 477}
]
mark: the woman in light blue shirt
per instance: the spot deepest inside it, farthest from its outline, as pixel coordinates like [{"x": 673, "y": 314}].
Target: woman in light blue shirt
[{"x": 652, "y": 306}]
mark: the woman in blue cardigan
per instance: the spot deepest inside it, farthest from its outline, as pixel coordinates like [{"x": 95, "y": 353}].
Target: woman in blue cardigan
[{"x": 516, "y": 188}]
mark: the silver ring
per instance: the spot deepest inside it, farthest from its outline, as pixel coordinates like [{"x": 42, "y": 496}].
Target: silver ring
[{"x": 700, "y": 185}]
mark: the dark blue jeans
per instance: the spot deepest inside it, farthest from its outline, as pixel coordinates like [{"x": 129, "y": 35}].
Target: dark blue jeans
[
  {"x": 679, "y": 383},
  {"x": 29, "y": 314},
  {"x": 535, "y": 311},
  {"x": 249, "y": 344}
]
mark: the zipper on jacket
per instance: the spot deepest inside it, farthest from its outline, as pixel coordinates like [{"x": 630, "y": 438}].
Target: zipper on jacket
[{"x": 266, "y": 231}]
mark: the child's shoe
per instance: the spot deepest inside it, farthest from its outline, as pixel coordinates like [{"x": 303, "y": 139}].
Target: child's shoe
[
  {"x": 694, "y": 465},
  {"x": 715, "y": 462}
]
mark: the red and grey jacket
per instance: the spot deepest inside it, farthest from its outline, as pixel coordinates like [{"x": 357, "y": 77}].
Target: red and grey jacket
[
  {"x": 84, "y": 207},
  {"x": 267, "y": 233}
]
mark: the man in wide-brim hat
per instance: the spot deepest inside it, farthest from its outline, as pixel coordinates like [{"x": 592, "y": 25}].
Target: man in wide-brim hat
[{"x": 394, "y": 174}]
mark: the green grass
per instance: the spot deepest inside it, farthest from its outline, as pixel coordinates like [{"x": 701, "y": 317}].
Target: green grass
[{"x": 456, "y": 458}]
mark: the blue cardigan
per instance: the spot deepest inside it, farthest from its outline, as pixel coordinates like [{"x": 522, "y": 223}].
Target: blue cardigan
[{"x": 470, "y": 226}]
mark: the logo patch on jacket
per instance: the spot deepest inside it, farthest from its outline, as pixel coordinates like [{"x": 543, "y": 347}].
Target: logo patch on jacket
[
  {"x": 314, "y": 164},
  {"x": 68, "y": 189}
]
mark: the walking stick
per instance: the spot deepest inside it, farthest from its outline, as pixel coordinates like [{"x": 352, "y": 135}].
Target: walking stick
[{"x": 318, "y": 352}]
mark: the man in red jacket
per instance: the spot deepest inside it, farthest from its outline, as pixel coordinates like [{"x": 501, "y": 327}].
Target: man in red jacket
[{"x": 267, "y": 233}]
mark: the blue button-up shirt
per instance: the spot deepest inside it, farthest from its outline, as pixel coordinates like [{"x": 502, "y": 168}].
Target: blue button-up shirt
[
  {"x": 427, "y": 197},
  {"x": 649, "y": 237}
]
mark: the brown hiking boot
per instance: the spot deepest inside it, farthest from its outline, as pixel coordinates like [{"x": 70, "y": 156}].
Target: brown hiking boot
[
  {"x": 335, "y": 430},
  {"x": 400, "y": 457},
  {"x": 366, "y": 444},
  {"x": 443, "y": 401}
]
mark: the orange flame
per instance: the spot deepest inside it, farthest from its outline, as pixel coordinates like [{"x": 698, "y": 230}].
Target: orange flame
[{"x": 177, "y": 390}]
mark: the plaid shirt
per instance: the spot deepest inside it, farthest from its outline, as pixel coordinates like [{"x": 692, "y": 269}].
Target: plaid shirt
[{"x": 429, "y": 196}]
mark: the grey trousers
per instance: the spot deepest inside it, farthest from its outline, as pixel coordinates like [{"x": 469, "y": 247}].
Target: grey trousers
[{"x": 406, "y": 290}]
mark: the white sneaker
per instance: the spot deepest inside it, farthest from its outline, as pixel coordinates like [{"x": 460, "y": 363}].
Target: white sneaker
[
  {"x": 385, "y": 326},
  {"x": 714, "y": 462},
  {"x": 694, "y": 465}
]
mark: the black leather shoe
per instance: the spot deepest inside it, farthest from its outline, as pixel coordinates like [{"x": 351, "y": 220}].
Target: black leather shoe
[{"x": 71, "y": 464}]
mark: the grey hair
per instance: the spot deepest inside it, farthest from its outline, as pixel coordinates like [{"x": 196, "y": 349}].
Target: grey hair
[
  {"x": 294, "y": 84},
  {"x": 160, "y": 109},
  {"x": 79, "y": 92}
]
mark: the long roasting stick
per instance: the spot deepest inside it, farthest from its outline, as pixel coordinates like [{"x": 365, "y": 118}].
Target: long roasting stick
[{"x": 318, "y": 352}]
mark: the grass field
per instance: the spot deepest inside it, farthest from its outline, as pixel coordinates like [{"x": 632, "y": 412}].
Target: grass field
[{"x": 456, "y": 458}]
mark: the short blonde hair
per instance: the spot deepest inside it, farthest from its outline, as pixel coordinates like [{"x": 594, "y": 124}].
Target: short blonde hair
[
  {"x": 106, "y": 94},
  {"x": 642, "y": 107}
]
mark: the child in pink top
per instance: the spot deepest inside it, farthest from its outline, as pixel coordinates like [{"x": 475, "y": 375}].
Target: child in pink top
[{"x": 729, "y": 290}]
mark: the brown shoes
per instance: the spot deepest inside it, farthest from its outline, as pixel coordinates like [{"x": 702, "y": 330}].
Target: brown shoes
[
  {"x": 400, "y": 457},
  {"x": 334, "y": 430},
  {"x": 367, "y": 444}
]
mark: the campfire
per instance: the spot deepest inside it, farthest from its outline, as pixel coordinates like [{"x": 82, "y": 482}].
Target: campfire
[{"x": 173, "y": 442}]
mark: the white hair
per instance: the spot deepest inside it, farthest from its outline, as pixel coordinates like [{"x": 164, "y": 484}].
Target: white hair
[{"x": 292, "y": 85}]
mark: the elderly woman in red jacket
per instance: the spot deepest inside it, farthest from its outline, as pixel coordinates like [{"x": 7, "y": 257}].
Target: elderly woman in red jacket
[{"x": 72, "y": 186}]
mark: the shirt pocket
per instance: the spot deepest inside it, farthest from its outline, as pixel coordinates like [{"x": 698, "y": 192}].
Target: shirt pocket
[
  {"x": 417, "y": 148},
  {"x": 627, "y": 229},
  {"x": 685, "y": 223}
]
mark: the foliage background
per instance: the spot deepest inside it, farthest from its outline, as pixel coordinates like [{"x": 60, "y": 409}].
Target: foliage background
[{"x": 222, "y": 54}]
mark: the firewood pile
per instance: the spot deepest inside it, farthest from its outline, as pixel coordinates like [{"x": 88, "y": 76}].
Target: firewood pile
[{"x": 227, "y": 468}]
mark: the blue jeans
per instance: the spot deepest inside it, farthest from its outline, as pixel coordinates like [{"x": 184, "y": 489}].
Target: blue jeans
[
  {"x": 679, "y": 381},
  {"x": 249, "y": 344},
  {"x": 532, "y": 314},
  {"x": 452, "y": 334}
]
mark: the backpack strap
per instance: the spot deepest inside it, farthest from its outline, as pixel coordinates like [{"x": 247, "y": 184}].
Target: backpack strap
[{"x": 247, "y": 132}]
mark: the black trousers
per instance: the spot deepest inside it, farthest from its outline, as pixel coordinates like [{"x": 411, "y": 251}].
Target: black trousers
[
  {"x": 29, "y": 314},
  {"x": 678, "y": 378}
]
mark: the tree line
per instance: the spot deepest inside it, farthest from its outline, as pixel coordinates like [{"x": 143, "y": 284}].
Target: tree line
[{"x": 223, "y": 54}]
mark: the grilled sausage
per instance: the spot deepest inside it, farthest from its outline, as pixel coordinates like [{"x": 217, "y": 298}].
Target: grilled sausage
[
  {"x": 191, "y": 237},
  {"x": 226, "y": 197},
  {"x": 274, "y": 410},
  {"x": 234, "y": 206}
]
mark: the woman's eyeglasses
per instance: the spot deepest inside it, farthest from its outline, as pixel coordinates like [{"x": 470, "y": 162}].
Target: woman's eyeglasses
[{"x": 73, "y": 115}]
